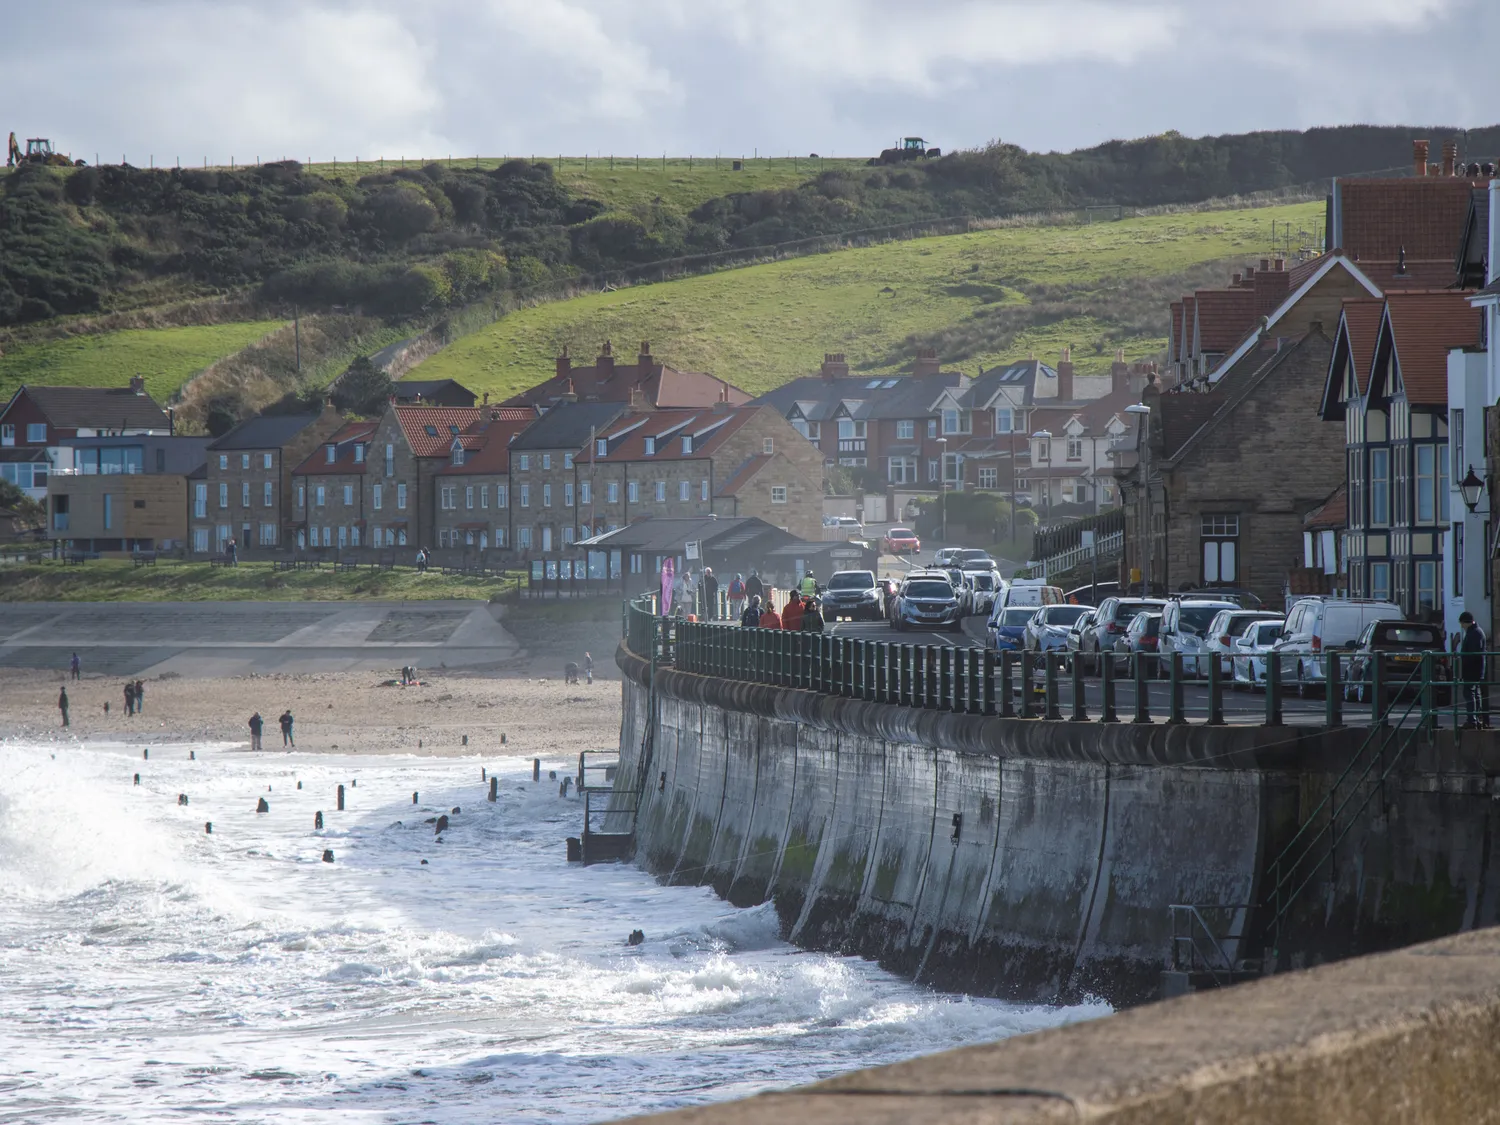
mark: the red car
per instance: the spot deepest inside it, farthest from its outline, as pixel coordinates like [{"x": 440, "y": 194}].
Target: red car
[{"x": 900, "y": 541}]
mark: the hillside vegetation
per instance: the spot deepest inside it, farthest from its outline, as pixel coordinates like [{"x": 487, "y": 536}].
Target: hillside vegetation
[{"x": 980, "y": 298}]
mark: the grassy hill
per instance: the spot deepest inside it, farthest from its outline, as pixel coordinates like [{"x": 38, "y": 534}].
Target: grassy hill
[
  {"x": 167, "y": 357},
  {"x": 981, "y": 298}
]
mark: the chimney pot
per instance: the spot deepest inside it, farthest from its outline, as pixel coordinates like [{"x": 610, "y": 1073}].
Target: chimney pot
[
  {"x": 834, "y": 366},
  {"x": 1265, "y": 264},
  {"x": 1239, "y": 277},
  {"x": 564, "y": 363},
  {"x": 1450, "y": 157},
  {"x": 138, "y": 384},
  {"x": 605, "y": 363},
  {"x": 1419, "y": 151},
  {"x": 1280, "y": 264}
]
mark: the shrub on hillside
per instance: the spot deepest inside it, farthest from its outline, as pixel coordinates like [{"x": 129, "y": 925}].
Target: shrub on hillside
[{"x": 401, "y": 211}]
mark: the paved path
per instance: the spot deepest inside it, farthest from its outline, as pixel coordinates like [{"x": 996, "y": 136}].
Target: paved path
[{"x": 236, "y": 638}]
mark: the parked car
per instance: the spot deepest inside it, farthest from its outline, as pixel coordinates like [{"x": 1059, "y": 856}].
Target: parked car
[
  {"x": 1242, "y": 598},
  {"x": 928, "y": 602},
  {"x": 971, "y": 559},
  {"x": 1093, "y": 593},
  {"x": 1227, "y": 626},
  {"x": 1251, "y": 649},
  {"x": 852, "y": 594},
  {"x": 848, "y": 526},
  {"x": 944, "y": 557},
  {"x": 1184, "y": 629},
  {"x": 1111, "y": 619},
  {"x": 959, "y": 581},
  {"x": 1139, "y": 639},
  {"x": 1319, "y": 624},
  {"x": 900, "y": 541},
  {"x": 986, "y": 586},
  {"x": 1076, "y": 633},
  {"x": 1007, "y": 627},
  {"x": 888, "y": 587},
  {"x": 1048, "y": 629},
  {"x": 1403, "y": 642},
  {"x": 1029, "y": 592}
]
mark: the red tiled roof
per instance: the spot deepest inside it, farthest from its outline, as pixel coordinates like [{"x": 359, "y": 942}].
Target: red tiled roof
[
  {"x": 1361, "y": 318},
  {"x": 344, "y": 440},
  {"x": 1223, "y": 317},
  {"x": 486, "y": 448},
  {"x": 1331, "y": 513},
  {"x": 745, "y": 473},
  {"x": 1424, "y": 326},
  {"x": 664, "y": 387},
  {"x": 443, "y": 421},
  {"x": 627, "y": 437},
  {"x": 1423, "y": 214}
]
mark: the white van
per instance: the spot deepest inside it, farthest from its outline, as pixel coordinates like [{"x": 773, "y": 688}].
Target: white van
[
  {"x": 1319, "y": 624},
  {"x": 1028, "y": 592}
]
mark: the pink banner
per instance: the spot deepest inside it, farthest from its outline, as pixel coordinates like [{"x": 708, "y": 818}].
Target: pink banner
[{"x": 666, "y": 586}]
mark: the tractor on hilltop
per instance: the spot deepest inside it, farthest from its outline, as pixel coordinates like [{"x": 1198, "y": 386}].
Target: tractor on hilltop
[
  {"x": 910, "y": 148},
  {"x": 38, "y": 151}
]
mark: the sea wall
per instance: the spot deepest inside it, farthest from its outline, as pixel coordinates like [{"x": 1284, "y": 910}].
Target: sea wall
[{"x": 1031, "y": 860}]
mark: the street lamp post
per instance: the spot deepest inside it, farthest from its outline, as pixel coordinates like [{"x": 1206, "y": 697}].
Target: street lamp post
[
  {"x": 1145, "y": 415},
  {"x": 943, "y": 485},
  {"x": 1046, "y": 435}
]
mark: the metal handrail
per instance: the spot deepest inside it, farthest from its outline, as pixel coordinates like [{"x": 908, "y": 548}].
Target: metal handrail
[{"x": 1191, "y": 916}]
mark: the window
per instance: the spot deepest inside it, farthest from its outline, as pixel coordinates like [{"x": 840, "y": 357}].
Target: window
[
  {"x": 502, "y": 495},
  {"x": 650, "y": 446},
  {"x": 906, "y": 430},
  {"x": 956, "y": 422},
  {"x": 109, "y": 511},
  {"x": 223, "y": 460},
  {"x": 567, "y": 494},
  {"x": 36, "y": 432},
  {"x": 546, "y": 460},
  {"x": 390, "y": 460},
  {"x": 200, "y": 501},
  {"x": 932, "y": 427},
  {"x": 567, "y": 460},
  {"x": 546, "y": 539},
  {"x": 1456, "y": 447},
  {"x": 484, "y": 496},
  {"x": 1426, "y": 483},
  {"x": 1380, "y": 493},
  {"x": 769, "y": 445},
  {"x": 328, "y": 536},
  {"x": 1443, "y": 484},
  {"x": 704, "y": 496},
  {"x": 988, "y": 478},
  {"x": 849, "y": 430},
  {"x": 601, "y": 447},
  {"x": 1075, "y": 449},
  {"x": 354, "y": 536},
  {"x": 661, "y": 492},
  {"x": 1427, "y": 586},
  {"x": 1380, "y": 581},
  {"x": 200, "y": 540},
  {"x": 585, "y": 492},
  {"x": 266, "y": 494},
  {"x": 525, "y": 495},
  {"x": 567, "y": 536},
  {"x": 348, "y": 495},
  {"x": 499, "y": 536},
  {"x": 375, "y": 497},
  {"x": 244, "y": 494},
  {"x": 1043, "y": 450},
  {"x": 244, "y": 460},
  {"x": 523, "y": 538},
  {"x": 400, "y": 537},
  {"x": 932, "y": 468},
  {"x": 633, "y": 492},
  {"x": 525, "y": 465},
  {"x": 401, "y": 496},
  {"x": 330, "y": 452},
  {"x": 1004, "y": 420},
  {"x": 359, "y": 459},
  {"x": 265, "y": 461},
  {"x": 469, "y": 496},
  {"x": 613, "y": 492},
  {"x": 1220, "y": 535},
  {"x": 901, "y": 470},
  {"x": 687, "y": 443},
  {"x": 8, "y": 434},
  {"x": 547, "y": 495},
  {"x": 1458, "y": 554},
  {"x": 268, "y": 535},
  {"x": 458, "y": 455},
  {"x": 778, "y": 494},
  {"x": 318, "y": 496},
  {"x": 445, "y": 498},
  {"x": 684, "y": 491}
]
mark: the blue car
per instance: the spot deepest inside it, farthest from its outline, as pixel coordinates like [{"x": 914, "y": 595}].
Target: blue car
[{"x": 1008, "y": 628}]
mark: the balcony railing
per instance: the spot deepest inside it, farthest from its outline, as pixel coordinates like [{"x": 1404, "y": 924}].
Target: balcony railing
[{"x": 99, "y": 471}]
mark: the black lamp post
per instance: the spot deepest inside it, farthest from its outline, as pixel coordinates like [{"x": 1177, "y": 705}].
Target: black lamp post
[{"x": 1472, "y": 488}]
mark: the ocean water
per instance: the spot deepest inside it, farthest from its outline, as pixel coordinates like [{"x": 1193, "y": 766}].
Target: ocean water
[{"x": 150, "y": 970}]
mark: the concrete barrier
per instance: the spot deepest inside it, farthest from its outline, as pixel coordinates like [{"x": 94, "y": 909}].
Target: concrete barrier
[
  {"x": 1404, "y": 1038},
  {"x": 1035, "y": 860}
]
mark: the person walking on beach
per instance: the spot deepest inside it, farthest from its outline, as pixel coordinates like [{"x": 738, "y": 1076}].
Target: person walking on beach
[
  {"x": 140, "y": 697},
  {"x": 256, "y": 724},
  {"x": 588, "y": 666},
  {"x": 75, "y": 667},
  {"x": 62, "y": 703},
  {"x": 129, "y": 698},
  {"x": 286, "y": 728}
]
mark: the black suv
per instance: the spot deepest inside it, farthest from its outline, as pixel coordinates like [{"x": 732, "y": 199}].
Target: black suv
[{"x": 852, "y": 594}]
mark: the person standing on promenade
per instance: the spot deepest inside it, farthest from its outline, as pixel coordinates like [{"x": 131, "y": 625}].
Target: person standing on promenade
[
  {"x": 791, "y": 616},
  {"x": 1471, "y": 672},
  {"x": 754, "y": 587},
  {"x": 736, "y": 597},
  {"x": 769, "y": 618},
  {"x": 710, "y": 595},
  {"x": 62, "y": 704},
  {"x": 812, "y": 617},
  {"x": 256, "y": 725},
  {"x": 286, "y": 728},
  {"x": 753, "y": 616},
  {"x": 75, "y": 667}
]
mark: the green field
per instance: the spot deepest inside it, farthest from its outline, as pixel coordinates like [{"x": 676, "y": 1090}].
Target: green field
[
  {"x": 110, "y": 580},
  {"x": 167, "y": 357},
  {"x": 980, "y": 298},
  {"x": 624, "y": 182}
]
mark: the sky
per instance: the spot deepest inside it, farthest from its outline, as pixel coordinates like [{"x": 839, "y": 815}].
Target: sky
[{"x": 196, "y": 80}]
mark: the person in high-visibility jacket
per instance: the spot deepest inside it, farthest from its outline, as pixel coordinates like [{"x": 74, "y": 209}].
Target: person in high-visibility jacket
[{"x": 808, "y": 586}]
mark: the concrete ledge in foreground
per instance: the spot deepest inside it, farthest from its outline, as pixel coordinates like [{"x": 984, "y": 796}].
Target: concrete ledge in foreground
[{"x": 1406, "y": 1037}]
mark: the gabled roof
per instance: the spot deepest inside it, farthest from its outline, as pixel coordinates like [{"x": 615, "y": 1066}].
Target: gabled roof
[
  {"x": 1423, "y": 327},
  {"x": 569, "y": 425},
  {"x": 1222, "y": 317},
  {"x": 1353, "y": 343},
  {"x": 612, "y": 380},
  {"x": 1422, "y": 215},
  {"x": 486, "y": 446},
  {"x": 879, "y": 396},
  {"x": 744, "y": 473},
  {"x": 410, "y": 390},
  {"x": 94, "y": 408},
  {"x": 709, "y": 430},
  {"x": 268, "y": 431},
  {"x": 344, "y": 440},
  {"x": 1013, "y": 383},
  {"x": 429, "y": 430},
  {"x": 1474, "y": 246}
]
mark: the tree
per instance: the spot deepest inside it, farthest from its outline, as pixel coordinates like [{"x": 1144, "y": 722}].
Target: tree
[
  {"x": 31, "y": 512},
  {"x": 362, "y": 389}
]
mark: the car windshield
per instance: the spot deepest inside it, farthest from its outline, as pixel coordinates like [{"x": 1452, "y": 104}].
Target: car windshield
[
  {"x": 1196, "y": 618},
  {"x": 929, "y": 588},
  {"x": 1017, "y": 616},
  {"x": 968, "y": 553},
  {"x": 1406, "y": 633},
  {"x": 1236, "y": 624},
  {"x": 1126, "y": 611},
  {"x": 851, "y": 580},
  {"x": 984, "y": 581},
  {"x": 1063, "y": 614},
  {"x": 1268, "y": 633},
  {"x": 1147, "y": 624},
  {"x": 900, "y": 533}
]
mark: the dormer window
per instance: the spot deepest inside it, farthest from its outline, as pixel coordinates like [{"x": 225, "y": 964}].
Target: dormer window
[
  {"x": 601, "y": 447},
  {"x": 687, "y": 443},
  {"x": 359, "y": 455},
  {"x": 458, "y": 455},
  {"x": 650, "y": 446},
  {"x": 333, "y": 453}
]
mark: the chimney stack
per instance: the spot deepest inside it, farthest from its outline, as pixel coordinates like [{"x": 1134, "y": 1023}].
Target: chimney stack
[
  {"x": 721, "y": 406},
  {"x": 1450, "y": 157},
  {"x": 564, "y": 364},
  {"x": 1119, "y": 373},
  {"x": 569, "y": 394},
  {"x": 1419, "y": 157},
  {"x": 638, "y": 403},
  {"x": 644, "y": 362},
  {"x": 926, "y": 362},
  {"x": 834, "y": 366},
  {"x": 605, "y": 364},
  {"x": 138, "y": 384},
  {"x": 1280, "y": 264},
  {"x": 1065, "y": 375},
  {"x": 1238, "y": 279}
]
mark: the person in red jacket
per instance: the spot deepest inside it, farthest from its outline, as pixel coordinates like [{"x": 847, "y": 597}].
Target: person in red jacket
[
  {"x": 769, "y": 618},
  {"x": 791, "y": 616}
]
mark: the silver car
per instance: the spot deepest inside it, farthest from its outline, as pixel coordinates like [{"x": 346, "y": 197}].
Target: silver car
[
  {"x": 1249, "y": 650},
  {"x": 1048, "y": 629}
]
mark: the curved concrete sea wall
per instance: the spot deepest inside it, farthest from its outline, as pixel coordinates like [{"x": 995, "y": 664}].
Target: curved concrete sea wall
[{"x": 1030, "y": 860}]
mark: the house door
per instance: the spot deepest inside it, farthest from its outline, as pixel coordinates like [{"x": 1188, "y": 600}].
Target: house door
[
  {"x": 874, "y": 509},
  {"x": 245, "y": 539}
]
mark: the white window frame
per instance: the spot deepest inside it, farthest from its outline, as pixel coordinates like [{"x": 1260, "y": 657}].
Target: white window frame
[
  {"x": 401, "y": 495},
  {"x": 778, "y": 494}
]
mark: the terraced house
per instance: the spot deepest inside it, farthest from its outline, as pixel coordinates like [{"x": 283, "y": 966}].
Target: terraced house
[
  {"x": 328, "y": 494},
  {"x": 473, "y": 493},
  {"x": 246, "y": 490}
]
